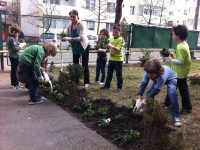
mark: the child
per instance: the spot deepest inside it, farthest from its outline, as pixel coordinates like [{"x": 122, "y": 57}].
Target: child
[
  {"x": 160, "y": 75},
  {"x": 116, "y": 58},
  {"x": 13, "y": 48},
  {"x": 29, "y": 63},
  {"x": 101, "y": 56},
  {"x": 181, "y": 63}
]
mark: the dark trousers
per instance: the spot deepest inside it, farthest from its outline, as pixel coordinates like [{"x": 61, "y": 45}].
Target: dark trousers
[
  {"x": 184, "y": 92},
  {"x": 85, "y": 59},
  {"x": 101, "y": 66},
  {"x": 117, "y": 66},
  {"x": 14, "y": 63}
]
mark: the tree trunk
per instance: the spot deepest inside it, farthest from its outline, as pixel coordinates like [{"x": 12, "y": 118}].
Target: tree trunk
[
  {"x": 118, "y": 11},
  {"x": 196, "y": 15}
]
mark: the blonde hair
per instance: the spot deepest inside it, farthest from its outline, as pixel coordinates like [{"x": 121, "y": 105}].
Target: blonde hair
[
  {"x": 50, "y": 49},
  {"x": 153, "y": 66}
]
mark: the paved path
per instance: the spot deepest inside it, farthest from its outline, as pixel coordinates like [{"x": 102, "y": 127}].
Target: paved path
[{"x": 43, "y": 126}]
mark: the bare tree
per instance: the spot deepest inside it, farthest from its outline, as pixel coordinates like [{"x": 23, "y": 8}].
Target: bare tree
[
  {"x": 99, "y": 11},
  {"x": 196, "y": 15},
  {"x": 118, "y": 11},
  {"x": 42, "y": 14},
  {"x": 153, "y": 6},
  {"x": 163, "y": 8}
]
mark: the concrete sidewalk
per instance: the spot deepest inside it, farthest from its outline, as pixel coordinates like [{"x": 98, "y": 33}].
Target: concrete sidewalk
[{"x": 43, "y": 126}]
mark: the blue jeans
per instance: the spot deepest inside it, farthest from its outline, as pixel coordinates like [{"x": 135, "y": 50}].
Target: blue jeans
[
  {"x": 171, "y": 97},
  {"x": 117, "y": 66},
  {"x": 32, "y": 78},
  {"x": 101, "y": 66}
]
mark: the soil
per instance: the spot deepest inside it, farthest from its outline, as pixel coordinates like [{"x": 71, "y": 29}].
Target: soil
[{"x": 116, "y": 128}]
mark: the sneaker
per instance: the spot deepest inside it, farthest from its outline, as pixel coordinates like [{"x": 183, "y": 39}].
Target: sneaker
[
  {"x": 94, "y": 81},
  {"x": 104, "y": 87},
  {"x": 37, "y": 101},
  {"x": 87, "y": 85},
  {"x": 177, "y": 122},
  {"x": 19, "y": 87},
  {"x": 101, "y": 83},
  {"x": 119, "y": 89},
  {"x": 185, "y": 111},
  {"x": 12, "y": 86},
  {"x": 40, "y": 96}
]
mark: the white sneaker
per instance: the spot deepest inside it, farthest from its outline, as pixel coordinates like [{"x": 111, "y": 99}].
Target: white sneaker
[
  {"x": 94, "y": 81},
  {"x": 101, "y": 83},
  {"x": 177, "y": 122},
  {"x": 87, "y": 85}
]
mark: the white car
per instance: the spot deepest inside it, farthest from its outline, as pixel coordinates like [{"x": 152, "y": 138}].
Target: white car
[
  {"x": 55, "y": 38},
  {"x": 92, "y": 39}
]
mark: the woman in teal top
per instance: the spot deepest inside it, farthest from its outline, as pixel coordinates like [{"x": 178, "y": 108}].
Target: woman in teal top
[{"x": 79, "y": 43}]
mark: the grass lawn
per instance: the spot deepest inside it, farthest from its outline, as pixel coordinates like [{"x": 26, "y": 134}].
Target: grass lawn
[{"x": 132, "y": 74}]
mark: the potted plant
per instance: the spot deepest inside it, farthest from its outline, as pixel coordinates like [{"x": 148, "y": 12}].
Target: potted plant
[
  {"x": 63, "y": 34},
  {"x": 21, "y": 40},
  {"x": 165, "y": 52}
]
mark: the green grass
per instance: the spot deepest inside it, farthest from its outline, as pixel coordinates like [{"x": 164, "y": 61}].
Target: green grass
[{"x": 132, "y": 75}]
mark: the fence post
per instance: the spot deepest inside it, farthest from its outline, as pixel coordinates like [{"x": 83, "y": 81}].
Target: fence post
[
  {"x": 128, "y": 43},
  {"x": 1, "y": 41}
]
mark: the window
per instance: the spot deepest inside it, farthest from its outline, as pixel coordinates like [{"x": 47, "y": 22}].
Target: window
[
  {"x": 185, "y": 11},
  {"x": 110, "y": 7},
  {"x": 190, "y": 21},
  {"x": 170, "y": 23},
  {"x": 177, "y": 21},
  {"x": 109, "y": 26},
  {"x": 146, "y": 11},
  {"x": 56, "y": 2},
  {"x": 132, "y": 9},
  {"x": 191, "y": 10},
  {"x": 14, "y": 5},
  {"x": 90, "y": 4},
  {"x": 90, "y": 25},
  {"x": 156, "y": 13},
  {"x": 171, "y": 13},
  {"x": 172, "y": 2},
  {"x": 3, "y": 3},
  {"x": 186, "y": 1},
  {"x": 184, "y": 22},
  {"x": 141, "y": 10},
  {"x": 56, "y": 23}
]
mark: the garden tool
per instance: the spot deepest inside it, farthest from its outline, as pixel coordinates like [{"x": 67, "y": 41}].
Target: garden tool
[
  {"x": 61, "y": 68},
  {"x": 47, "y": 80}
]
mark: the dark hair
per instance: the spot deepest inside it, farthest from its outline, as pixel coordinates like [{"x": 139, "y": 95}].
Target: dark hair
[
  {"x": 15, "y": 28},
  {"x": 105, "y": 31},
  {"x": 118, "y": 27},
  {"x": 181, "y": 31},
  {"x": 153, "y": 66},
  {"x": 74, "y": 11}
]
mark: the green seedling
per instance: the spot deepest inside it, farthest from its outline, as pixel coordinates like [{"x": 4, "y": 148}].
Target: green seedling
[
  {"x": 133, "y": 102},
  {"x": 59, "y": 96},
  {"x": 119, "y": 117},
  {"x": 104, "y": 110},
  {"x": 87, "y": 104},
  {"x": 104, "y": 122},
  {"x": 135, "y": 134},
  {"x": 128, "y": 136},
  {"x": 66, "y": 92},
  {"x": 88, "y": 113},
  {"x": 165, "y": 52},
  {"x": 76, "y": 107},
  {"x": 57, "y": 86}
]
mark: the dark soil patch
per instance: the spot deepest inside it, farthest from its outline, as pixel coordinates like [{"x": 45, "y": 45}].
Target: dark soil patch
[{"x": 117, "y": 129}]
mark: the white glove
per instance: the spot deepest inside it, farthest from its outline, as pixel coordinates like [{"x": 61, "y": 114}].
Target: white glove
[
  {"x": 167, "y": 59},
  {"x": 101, "y": 50},
  {"x": 22, "y": 45},
  {"x": 46, "y": 77},
  {"x": 110, "y": 45},
  {"x": 139, "y": 104},
  {"x": 66, "y": 39},
  {"x": 41, "y": 79}
]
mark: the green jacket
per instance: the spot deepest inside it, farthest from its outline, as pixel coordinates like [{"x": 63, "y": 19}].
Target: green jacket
[{"x": 33, "y": 56}]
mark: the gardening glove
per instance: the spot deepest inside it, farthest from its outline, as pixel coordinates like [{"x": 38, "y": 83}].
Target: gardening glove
[
  {"x": 110, "y": 45},
  {"x": 66, "y": 39},
  {"x": 41, "y": 79},
  {"x": 21, "y": 45},
  {"x": 137, "y": 104},
  {"x": 167, "y": 59},
  {"x": 46, "y": 77}
]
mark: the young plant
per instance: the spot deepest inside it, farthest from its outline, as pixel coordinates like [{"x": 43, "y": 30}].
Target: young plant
[
  {"x": 135, "y": 134},
  {"x": 133, "y": 102},
  {"x": 165, "y": 52},
  {"x": 104, "y": 122},
  {"x": 146, "y": 56},
  {"x": 128, "y": 136},
  {"x": 104, "y": 110},
  {"x": 75, "y": 72},
  {"x": 87, "y": 104},
  {"x": 88, "y": 113},
  {"x": 52, "y": 67},
  {"x": 21, "y": 40},
  {"x": 59, "y": 96},
  {"x": 66, "y": 92},
  {"x": 76, "y": 107},
  {"x": 63, "y": 34},
  {"x": 119, "y": 117}
]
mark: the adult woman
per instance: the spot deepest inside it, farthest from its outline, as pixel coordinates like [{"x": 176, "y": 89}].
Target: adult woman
[
  {"x": 79, "y": 43},
  {"x": 29, "y": 63}
]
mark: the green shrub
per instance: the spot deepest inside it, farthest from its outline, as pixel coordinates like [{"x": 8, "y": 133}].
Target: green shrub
[
  {"x": 165, "y": 52},
  {"x": 146, "y": 56},
  {"x": 75, "y": 72}
]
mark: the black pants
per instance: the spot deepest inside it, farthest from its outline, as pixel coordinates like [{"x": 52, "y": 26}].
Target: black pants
[
  {"x": 117, "y": 66},
  {"x": 85, "y": 59},
  {"x": 14, "y": 63},
  {"x": 184, "y": 92}
]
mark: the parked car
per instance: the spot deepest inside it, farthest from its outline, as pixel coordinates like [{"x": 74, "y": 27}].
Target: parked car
[
  {"x": 53, "y": 37},
  {"x": 92, "y": 39}
]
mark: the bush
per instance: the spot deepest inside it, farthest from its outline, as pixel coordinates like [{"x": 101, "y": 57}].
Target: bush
[
  {"x": 75, "y": 72},
  {"x": 146, "y": 56},
  {"x": 165, "y": 52}
]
